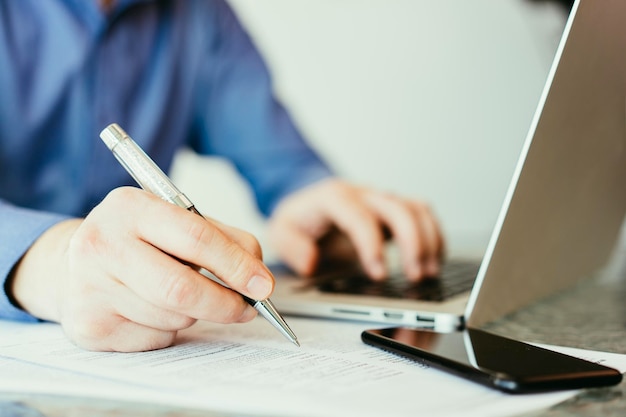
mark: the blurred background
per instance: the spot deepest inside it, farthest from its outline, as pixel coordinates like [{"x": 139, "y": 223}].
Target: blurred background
[{"x": 428, "y": 98}]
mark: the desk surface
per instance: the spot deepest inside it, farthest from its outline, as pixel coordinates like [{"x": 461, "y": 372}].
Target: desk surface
[{"x": 591, "y": 315}]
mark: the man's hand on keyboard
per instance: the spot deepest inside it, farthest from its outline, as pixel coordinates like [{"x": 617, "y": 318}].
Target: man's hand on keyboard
[{"x": 333, "y": 218}]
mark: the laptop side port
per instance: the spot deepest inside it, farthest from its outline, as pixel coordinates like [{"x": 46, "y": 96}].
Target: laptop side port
[
  {"x": 421, "y": 318},
  {"x": 348, "y": 311},
  {"x": 393, "y": 315}
]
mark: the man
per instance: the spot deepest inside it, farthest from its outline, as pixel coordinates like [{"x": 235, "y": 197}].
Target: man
[{"x": 173, "y": 74}]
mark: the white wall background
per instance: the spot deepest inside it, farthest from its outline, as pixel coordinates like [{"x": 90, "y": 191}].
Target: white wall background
[{"x": 428, "y": 98}]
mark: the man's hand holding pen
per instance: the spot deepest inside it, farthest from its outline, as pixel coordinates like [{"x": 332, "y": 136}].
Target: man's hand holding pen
[{"x": 117, "y": 283}]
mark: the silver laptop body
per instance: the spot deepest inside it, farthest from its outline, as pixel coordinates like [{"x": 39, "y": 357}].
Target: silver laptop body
[{"x": 564, "y": 208}]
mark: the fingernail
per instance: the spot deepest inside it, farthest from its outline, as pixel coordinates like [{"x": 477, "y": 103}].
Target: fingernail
[
  {"x": 259, "y": 287},
  {"x": 414, "y": 271},
  {"x": 377, "y": 269},
  {"x": 432, "y": 267}
]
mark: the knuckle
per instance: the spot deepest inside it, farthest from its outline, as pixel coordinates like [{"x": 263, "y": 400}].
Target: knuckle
[
  {"x": 385, "y": 195},
  {"x": 239, "y": 266},
  {"x": 250, "y": 243},
  {"x": 176, "y": 290},
  {"x": 119, "y": 197},
  {"x": 201, "y": 235},
  {"x": 87, "y": 241},
  {"x": 177, "y": 322},
  {"x": 184, "y": 322},
  {"x": 90, "y": 331},
  {"x": 423, "y": 208}
]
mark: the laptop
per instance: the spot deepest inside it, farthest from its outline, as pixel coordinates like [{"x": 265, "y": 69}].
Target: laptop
[{"x": 562, "y": 214}]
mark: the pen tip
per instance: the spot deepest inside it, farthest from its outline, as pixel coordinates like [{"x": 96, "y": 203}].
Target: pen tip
[{"x": 295, "y": 342}]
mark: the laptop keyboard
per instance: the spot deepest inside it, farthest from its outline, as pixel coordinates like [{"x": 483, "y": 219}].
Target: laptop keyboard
[{"x": 456, "y": 277}]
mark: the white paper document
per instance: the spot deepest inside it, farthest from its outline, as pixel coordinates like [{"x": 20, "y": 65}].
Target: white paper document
[{"x": 250, "y": 369}]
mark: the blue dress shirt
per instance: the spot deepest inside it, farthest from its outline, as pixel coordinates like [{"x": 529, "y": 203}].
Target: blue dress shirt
[{"x": 172, "y": 73}]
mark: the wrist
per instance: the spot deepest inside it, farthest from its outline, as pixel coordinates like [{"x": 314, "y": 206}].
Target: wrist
[{"x": 35, "y": 282}]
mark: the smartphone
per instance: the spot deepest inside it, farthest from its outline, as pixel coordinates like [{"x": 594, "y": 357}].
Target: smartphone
[{"x": 495, "y": 361}]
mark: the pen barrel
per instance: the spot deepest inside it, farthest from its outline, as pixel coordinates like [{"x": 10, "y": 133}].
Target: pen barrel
[{"x": 139, "y": 165}]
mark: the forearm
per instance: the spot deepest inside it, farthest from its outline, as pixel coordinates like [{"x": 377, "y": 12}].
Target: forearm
[{"x": 240, "y": 119}]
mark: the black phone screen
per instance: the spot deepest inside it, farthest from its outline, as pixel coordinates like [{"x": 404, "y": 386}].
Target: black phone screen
[{"x": 496, "y": 361}]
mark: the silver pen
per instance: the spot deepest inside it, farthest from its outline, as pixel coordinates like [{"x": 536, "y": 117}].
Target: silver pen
[{"x": 151, "y": 178}]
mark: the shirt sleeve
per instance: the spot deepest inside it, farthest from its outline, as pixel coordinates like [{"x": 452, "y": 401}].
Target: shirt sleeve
[
  {"x": 239, "y": 118},
  {"x": 19, "y": 228}
]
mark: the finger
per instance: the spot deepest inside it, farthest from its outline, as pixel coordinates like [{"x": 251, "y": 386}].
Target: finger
[
  {"x": 403, "y": 222},
  {"x": 244, "y": 239},
  {"x": 129, "y": 305},
  {"x": 192, "y": 238},
  {"x": 109, "y": 333},
  {"x": 433, "y": 253},
  {"x": 168, "y": 284},
  {"x": 354, "y": 219},
  {"x": 414, "y": 229},
  {"x": 139, "y": 311}
]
